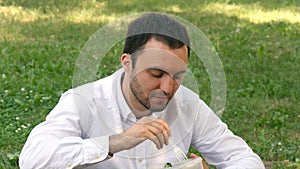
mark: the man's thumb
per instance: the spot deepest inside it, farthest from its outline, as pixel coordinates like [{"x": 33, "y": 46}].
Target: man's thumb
[{"x": 192, "y": 155}]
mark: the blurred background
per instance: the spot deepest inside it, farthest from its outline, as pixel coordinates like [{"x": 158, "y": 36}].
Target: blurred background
[{"x": 257, "y": 41}]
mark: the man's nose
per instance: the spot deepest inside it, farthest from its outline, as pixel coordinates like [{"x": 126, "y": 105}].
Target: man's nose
[{"x": 168, "y": 84}]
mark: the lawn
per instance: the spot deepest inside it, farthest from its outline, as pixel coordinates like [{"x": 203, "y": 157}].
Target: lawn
[{"x": 257, "y": 42}]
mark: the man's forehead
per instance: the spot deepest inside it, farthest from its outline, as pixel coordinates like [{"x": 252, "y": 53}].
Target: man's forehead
[
  {"x": 157, "y": 54},
  {"x": 160, "y": 59},
  {"x": 154, "y": 45}
]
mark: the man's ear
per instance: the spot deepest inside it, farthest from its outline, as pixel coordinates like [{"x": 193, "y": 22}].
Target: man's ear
[{"x": 126, "y": 61}]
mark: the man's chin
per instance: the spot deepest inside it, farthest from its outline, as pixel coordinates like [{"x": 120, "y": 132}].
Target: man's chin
[
  {"x": 158, "y": 104},
  {"x": 157, "y": 108}
]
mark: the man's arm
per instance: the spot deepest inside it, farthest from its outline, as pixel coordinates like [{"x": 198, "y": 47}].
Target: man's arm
[
  {"x": 219, "y": 146},
  {"x": 59, "y": 143}
]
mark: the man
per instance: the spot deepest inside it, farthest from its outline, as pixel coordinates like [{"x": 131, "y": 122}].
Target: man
[{"x": 126, "y": 120}]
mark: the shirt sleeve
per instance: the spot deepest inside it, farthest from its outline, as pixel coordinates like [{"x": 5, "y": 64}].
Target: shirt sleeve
[
  {"x": 60, "y": 141},
  {"x": 219, "y": 146}
]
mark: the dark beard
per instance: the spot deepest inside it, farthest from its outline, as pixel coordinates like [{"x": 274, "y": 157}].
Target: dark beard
[{"x": 137, "y": 94}]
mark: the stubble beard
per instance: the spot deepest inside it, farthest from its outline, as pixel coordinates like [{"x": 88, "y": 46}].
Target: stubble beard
[
  {"x": 134, "y": 87},
  {"x": 136, "y": 90}
]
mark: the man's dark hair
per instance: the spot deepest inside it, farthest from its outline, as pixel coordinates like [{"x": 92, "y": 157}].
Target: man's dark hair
[{"x": 161, "y": 27}]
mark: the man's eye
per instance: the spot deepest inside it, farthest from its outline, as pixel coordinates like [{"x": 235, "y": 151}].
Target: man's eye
[
  {"x": 179, "y": 76},
  {"x": 157, "y": 75}
]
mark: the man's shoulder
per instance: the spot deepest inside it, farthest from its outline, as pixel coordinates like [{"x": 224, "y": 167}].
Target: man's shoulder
[
  {"x": 186, "y": 94},
  {"x": 101, "y": 88}
]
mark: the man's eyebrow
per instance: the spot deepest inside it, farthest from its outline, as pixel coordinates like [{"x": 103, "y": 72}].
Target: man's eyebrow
[
  {"x": 164, "y": 71},
  {"x": 180, "y": 72},
  {"x": 158, "y": 69}
]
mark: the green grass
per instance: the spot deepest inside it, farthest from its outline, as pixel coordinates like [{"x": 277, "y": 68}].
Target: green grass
[{"x": 258, "y": 43}]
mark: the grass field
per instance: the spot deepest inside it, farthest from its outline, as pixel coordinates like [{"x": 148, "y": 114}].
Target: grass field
[{"x": 257, "y": 41}]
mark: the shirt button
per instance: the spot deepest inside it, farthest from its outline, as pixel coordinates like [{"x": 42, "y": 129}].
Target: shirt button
[
  {"x": 97, "y": 156},
  {"x": 140, "y": 160},
  {"x": 69, "y": 165}
]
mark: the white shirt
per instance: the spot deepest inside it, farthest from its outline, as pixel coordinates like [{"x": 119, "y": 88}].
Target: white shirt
[{"x": 76, "y": 132}]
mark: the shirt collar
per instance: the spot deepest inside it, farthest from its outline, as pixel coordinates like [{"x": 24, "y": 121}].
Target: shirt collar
[{"x": 123, "y": 107}]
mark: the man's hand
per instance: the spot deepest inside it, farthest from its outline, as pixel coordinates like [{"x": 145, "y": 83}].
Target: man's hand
[
  {"x": 192, "y": 155},
  {"x": 156, "y": 130}
]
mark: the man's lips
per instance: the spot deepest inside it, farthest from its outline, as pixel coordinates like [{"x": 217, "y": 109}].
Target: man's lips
[
  {"x": 162, "y": 98},
  {"x": 159, "y": 96}
]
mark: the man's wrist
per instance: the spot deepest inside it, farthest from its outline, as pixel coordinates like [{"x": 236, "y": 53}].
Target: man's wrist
[{"x": 116, "y": 144}]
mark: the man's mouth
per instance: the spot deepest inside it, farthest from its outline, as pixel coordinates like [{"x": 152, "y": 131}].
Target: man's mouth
[{"x": 161, "y": 98}]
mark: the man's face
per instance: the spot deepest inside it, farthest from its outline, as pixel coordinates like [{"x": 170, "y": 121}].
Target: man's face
[{"x": 157, "y": 74}]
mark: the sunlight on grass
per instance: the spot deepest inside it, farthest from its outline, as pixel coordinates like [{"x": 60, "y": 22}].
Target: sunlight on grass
[
  {"x": 16, "y": 14},
  {"x": 173, "y": 8},
  {"x": 20, "y": 14},
  {"x": 85, "y": 12},
  {"x": 254, "y": 13},
  {"x": 91, "y": 11},
  {"x": 89, "y": 15}
]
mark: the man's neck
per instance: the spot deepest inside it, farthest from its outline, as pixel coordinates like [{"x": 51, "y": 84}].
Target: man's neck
[{"x": 140, "y": 111}]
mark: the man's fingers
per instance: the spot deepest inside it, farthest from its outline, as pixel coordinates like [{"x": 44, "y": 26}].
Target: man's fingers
[
  {"x": 165, "y": 131},
  {"x": 166, "y": 137},
  {"x": 154, "y": 121},
  {"x": 165, "y": 125},
  {"x": 156, "y": 130},
  {"x": 154, "y": 139},
  {"x": 192, "y": 155},
  {"x": 158, "y": 133}
]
